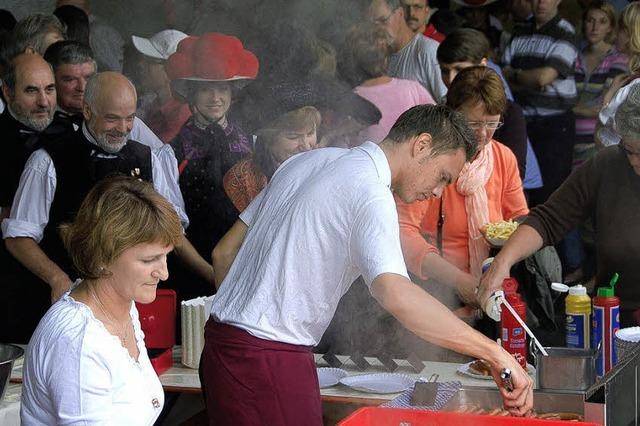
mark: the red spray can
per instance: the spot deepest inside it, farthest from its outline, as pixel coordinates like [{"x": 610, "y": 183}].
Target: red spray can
[{"x": 514, "y": 337}]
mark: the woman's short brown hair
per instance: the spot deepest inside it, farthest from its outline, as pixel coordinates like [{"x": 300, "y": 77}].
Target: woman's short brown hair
[
  {"x": 118, "y": 213},
  {"x": 298, "y": 119},
  {"x": 477, "y": 84},
  {"x": 608, "y": 10}
]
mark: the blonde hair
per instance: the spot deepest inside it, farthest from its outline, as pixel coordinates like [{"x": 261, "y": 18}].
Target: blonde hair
[
  {"x": 298, "y": 119},
  {"x": 118, "y": 213},
  {"x": 630, "y": 22}
]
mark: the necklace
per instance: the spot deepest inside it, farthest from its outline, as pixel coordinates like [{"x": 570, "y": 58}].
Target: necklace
[{"x": 125, "y": 332}]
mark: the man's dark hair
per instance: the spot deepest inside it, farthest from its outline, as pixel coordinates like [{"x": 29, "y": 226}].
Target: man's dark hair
[
  {"x": 76, "y": 21},
  {"x": 446, "y": 21},
  {"x": 463, "y": 45},
  {"x": 32, "y": 31},
  {"x": 68, "y": 52},
  {"x": 448, "y": 129}
]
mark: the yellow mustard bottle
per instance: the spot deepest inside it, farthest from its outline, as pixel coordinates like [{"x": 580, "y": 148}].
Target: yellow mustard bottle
[{"x": 578, "y": 310}]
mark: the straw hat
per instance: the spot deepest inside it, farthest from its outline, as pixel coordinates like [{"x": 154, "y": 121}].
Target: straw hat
[{"x": 210, "y": 57}]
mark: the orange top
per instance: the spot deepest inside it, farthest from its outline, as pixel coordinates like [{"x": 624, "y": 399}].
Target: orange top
[{"x": 419, "y": 220}]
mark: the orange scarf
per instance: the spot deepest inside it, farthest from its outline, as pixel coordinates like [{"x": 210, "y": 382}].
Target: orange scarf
[{"x": 471, "y": 184}]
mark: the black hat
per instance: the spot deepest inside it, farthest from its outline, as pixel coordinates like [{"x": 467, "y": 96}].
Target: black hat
[{"x": 263, "y": 102}]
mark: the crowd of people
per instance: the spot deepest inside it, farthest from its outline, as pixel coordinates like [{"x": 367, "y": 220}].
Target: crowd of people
[{"x": 276, "y": 168}]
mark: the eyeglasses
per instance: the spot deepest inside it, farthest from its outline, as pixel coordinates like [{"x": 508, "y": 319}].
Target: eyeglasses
[{"x": 491, "y": 125}]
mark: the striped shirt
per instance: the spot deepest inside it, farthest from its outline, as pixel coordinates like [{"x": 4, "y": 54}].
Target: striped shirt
[
  {"x": 591, "y": 86},
  {"x": 552, "y": 45}
]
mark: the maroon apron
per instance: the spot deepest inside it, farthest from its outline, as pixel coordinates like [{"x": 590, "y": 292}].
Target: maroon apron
[{"x": 250, "y": 381}]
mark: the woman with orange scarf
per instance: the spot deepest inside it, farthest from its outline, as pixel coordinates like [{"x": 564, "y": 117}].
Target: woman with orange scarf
[{"x": 441, "y": 238}]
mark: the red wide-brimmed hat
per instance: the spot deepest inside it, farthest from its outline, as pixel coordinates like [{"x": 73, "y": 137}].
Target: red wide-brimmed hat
[{"x": 210, "y": 57}]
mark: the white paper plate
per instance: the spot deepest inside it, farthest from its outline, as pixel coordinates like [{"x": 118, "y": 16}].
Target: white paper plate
[
  {"x": 379, "y": 382},
  {"x": 466, "y": 371},
  {"x": 330, "y": 376}
]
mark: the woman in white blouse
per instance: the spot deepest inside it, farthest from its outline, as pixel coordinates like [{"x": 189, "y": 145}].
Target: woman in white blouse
[{"x": 86, "y": 362}]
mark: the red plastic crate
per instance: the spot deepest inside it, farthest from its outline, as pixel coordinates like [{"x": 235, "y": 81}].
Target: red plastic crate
[{"x": 376, "y": 416}]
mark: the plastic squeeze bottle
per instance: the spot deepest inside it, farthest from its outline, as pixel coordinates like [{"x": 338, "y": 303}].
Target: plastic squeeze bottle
[
  {"x": 578, "y": 310},
  {"x": 606, "y": 321}
]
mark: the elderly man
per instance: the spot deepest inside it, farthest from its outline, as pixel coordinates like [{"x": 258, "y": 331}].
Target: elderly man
[
  {"x": 57, "y": 177},
  {"x": 73, "y": 64},
  {"x": 29, "y": 88},
  {"x": 414, "y": 56},
  {"x": 417, "y": 14},
  {"x": 30, "y": 91},
  {"x": 273, "y": 304},
  {"x": 539, "y": 64}
]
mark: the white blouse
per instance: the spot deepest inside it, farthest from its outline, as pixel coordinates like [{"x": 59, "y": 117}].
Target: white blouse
[{"x": 77, "y": 373}]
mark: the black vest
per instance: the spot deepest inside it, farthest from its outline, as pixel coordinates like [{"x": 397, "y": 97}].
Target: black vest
[
  {"x": 79, "y": 166},
  {"x": 18, "y": 143}
]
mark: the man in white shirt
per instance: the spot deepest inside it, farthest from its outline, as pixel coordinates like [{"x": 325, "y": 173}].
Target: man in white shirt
[
  {"x": 56, "y": 178},
  {"x": 325, "y": 218},
  {"x": 414, "y": 55}
]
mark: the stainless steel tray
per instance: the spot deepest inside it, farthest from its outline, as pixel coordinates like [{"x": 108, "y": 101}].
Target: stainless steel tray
[{"x": 544, "y": 401}]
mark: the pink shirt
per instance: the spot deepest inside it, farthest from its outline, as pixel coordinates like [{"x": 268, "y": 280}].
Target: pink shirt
[{"x": 392, "y": 99}]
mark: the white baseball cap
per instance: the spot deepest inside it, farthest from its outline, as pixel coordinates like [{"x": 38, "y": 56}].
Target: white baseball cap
[{"x": 161, "y": 45}]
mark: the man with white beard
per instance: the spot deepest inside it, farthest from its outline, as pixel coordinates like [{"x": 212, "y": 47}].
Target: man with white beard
[{"x": 57, "y": 177}]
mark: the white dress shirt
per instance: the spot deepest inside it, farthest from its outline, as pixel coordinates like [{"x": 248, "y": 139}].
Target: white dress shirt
[{"x": 31, "y": 205}]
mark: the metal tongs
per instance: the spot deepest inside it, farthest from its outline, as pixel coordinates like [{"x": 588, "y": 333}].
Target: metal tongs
[{"x": 503, "y": 301}]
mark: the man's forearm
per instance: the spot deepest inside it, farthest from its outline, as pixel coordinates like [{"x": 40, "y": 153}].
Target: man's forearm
[
  {"x": 192, "y": 259},
  {"x": 31, "y": 256},
  {"x": 431, "y": 320}
]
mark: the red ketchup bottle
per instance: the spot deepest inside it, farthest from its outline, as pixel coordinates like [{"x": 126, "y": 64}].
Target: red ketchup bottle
[
  {"x": 514, "y": 337},
  {"x": 606, "y": 321}
]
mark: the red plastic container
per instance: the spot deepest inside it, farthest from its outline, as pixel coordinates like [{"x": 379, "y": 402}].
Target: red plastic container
[
  {"x": 514, "y": 336},
  {"x": 376, "y": 416},
  {"x": 158, "y": 322}
]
